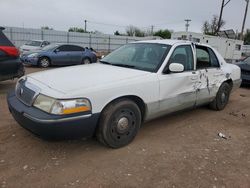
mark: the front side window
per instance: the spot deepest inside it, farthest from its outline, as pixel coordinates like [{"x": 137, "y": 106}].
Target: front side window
[
  {"x": 142, "y": 56},
  {"x": 64, "y": 48},
  {"x": 183, "y": 55}
]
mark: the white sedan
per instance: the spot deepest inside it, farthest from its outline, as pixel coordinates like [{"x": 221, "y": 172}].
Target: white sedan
[{"x": 135, "y": 83}]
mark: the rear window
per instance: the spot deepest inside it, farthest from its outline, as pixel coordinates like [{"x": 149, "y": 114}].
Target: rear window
[
  {"x": 33, "y": 43},
  {"x": 4, "y": 41}
]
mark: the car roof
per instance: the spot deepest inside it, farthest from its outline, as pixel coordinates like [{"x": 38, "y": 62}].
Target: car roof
[{"x": 171, "y": 42}]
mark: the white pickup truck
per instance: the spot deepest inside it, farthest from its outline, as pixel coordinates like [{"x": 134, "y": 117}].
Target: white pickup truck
[{"x": 111, "y": 99}]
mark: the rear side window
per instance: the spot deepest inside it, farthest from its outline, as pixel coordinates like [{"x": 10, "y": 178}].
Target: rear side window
[
  {"x": 213, "y": 59},
  {"x": 183, "y": 55},
  {"x": 206, "y": 58},
  {"x": 4, "y": 41},
  {"x": 76, "y": 48}
]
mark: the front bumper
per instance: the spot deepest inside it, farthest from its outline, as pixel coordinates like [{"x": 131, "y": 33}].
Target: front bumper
[
  {"x": 29, "y": 60},
  {"x": 51, "y": 126}
]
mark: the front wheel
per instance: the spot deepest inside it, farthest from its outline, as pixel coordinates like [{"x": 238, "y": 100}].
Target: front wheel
[
  {"x": 44, "y": 62},
  {"x": 119, "y": 123},
  {"x": 222, "y": 97}
]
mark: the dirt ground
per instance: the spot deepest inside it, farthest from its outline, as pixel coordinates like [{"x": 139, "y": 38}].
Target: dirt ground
[{"x": 182, "y": 150}]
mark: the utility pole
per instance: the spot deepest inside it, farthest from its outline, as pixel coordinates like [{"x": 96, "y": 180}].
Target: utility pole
[
  {"x": 244, "y": 21},
  {"x": 85, "y": 28},
  {"x": 152, "y": 30},
  {"x": 221, "y": 12},
  {"x": 187, "y": 24}
]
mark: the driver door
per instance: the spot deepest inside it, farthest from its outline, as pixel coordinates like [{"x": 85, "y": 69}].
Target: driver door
[
  {"x": 61, "y": 55},
  {"x": 177, "y": 90}
]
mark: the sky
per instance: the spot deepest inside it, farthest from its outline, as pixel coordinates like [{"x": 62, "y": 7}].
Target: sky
[{"x": 107, "y": 16}]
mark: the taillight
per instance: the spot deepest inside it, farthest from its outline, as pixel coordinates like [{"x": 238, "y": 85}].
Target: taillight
[{"x": 10, "y": 50}]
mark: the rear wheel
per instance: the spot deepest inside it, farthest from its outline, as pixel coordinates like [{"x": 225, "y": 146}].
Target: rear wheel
[
  {"x": 86, "y": 60},
  {"x": 222, "y": 97},
  {"x": 119, "y": 123},
  {"x": 44, "y": 62}
]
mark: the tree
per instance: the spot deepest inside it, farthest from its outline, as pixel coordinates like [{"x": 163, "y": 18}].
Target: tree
[
  {"x": 247, "y": 37},
  {"x": 212, "y": 27},
  {"x": 47, "y": 28},
  {"x": 77, "y": 29},
  {"x": 165, "y": 34},
  {"x": 135, "y": 31},
  {"x": 117, "y": 33}
]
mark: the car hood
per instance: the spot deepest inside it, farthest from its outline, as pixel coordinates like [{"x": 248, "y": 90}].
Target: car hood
[{"x": 70, "y": 79}]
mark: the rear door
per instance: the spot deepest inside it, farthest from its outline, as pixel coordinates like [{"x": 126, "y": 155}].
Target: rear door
[
  {"x": 210, "y": 74},
  {"x": 76, "y": 54}
]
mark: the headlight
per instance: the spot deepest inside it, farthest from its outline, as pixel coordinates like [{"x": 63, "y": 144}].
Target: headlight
[
  {"x": 33, "y": 55},
  {"x": 62, "y": 107}
]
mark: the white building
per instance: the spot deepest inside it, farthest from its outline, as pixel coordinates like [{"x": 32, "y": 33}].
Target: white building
[{"x": 230, "y": 49}]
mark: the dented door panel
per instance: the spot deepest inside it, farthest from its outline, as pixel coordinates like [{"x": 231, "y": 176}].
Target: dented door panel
[
  {"x": 208, "y": 85},
  {"x": 177, "y": 91}
]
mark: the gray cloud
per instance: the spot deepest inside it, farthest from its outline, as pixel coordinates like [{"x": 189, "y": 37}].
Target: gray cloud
[{"x": 103, "y": 15}]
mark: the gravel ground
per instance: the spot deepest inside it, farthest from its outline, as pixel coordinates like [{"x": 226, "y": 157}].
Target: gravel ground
[{"x": 181, "y": 150}]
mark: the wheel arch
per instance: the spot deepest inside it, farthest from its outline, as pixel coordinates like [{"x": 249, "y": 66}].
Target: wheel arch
[
  {"x": 230, "y": 82},
  {"x": 45, "y": 56},
  {"x": 137, "y": 100}
]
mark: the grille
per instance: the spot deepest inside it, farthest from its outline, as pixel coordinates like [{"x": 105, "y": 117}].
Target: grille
[
  {"x": 25, "y": 94},
  {"x": 245, "y": 72}
]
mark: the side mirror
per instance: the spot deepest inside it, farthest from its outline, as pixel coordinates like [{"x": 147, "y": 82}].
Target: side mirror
[{"x": 176, "y": 67}]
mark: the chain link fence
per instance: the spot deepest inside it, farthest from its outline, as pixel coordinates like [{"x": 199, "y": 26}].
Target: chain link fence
[{"x": 99, "y": 42}]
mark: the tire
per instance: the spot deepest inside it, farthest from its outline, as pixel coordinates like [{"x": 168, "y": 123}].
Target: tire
[
  {"x": 44, "y": 62},
  {"x": 119, "y": 123},
  {"x": 222, "y": 97},
  {"x": 86, "y": 61}
]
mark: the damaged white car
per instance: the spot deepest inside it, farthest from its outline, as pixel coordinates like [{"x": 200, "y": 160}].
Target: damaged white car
[{"x": 135, "y": 83}]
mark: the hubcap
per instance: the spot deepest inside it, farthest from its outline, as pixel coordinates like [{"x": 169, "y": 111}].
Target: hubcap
[
  {"x": 223, "y": 97},
  {"x": 122, "y": 125},
  {"x": 86, "y": 61},
  {"x": 44, "y": 62}
]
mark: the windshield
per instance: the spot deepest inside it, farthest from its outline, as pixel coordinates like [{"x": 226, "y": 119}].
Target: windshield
[
  {"x": 142, "y": 56},
  {"x": 33, "y": 43},
  {"x": 50, "y": 47},
  {"x": 247, "y": 60}
]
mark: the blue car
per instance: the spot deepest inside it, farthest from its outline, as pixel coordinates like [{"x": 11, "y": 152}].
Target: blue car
[
  {"x": 245, "y": 70},
  {"x": 59, "y": 54}
]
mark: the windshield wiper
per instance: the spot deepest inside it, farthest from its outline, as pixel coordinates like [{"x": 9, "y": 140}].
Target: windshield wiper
[
  {"x": 105, "y": 62},
  {"x": 123, "y": 65},
  {"x": 117, "y": 64}
]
